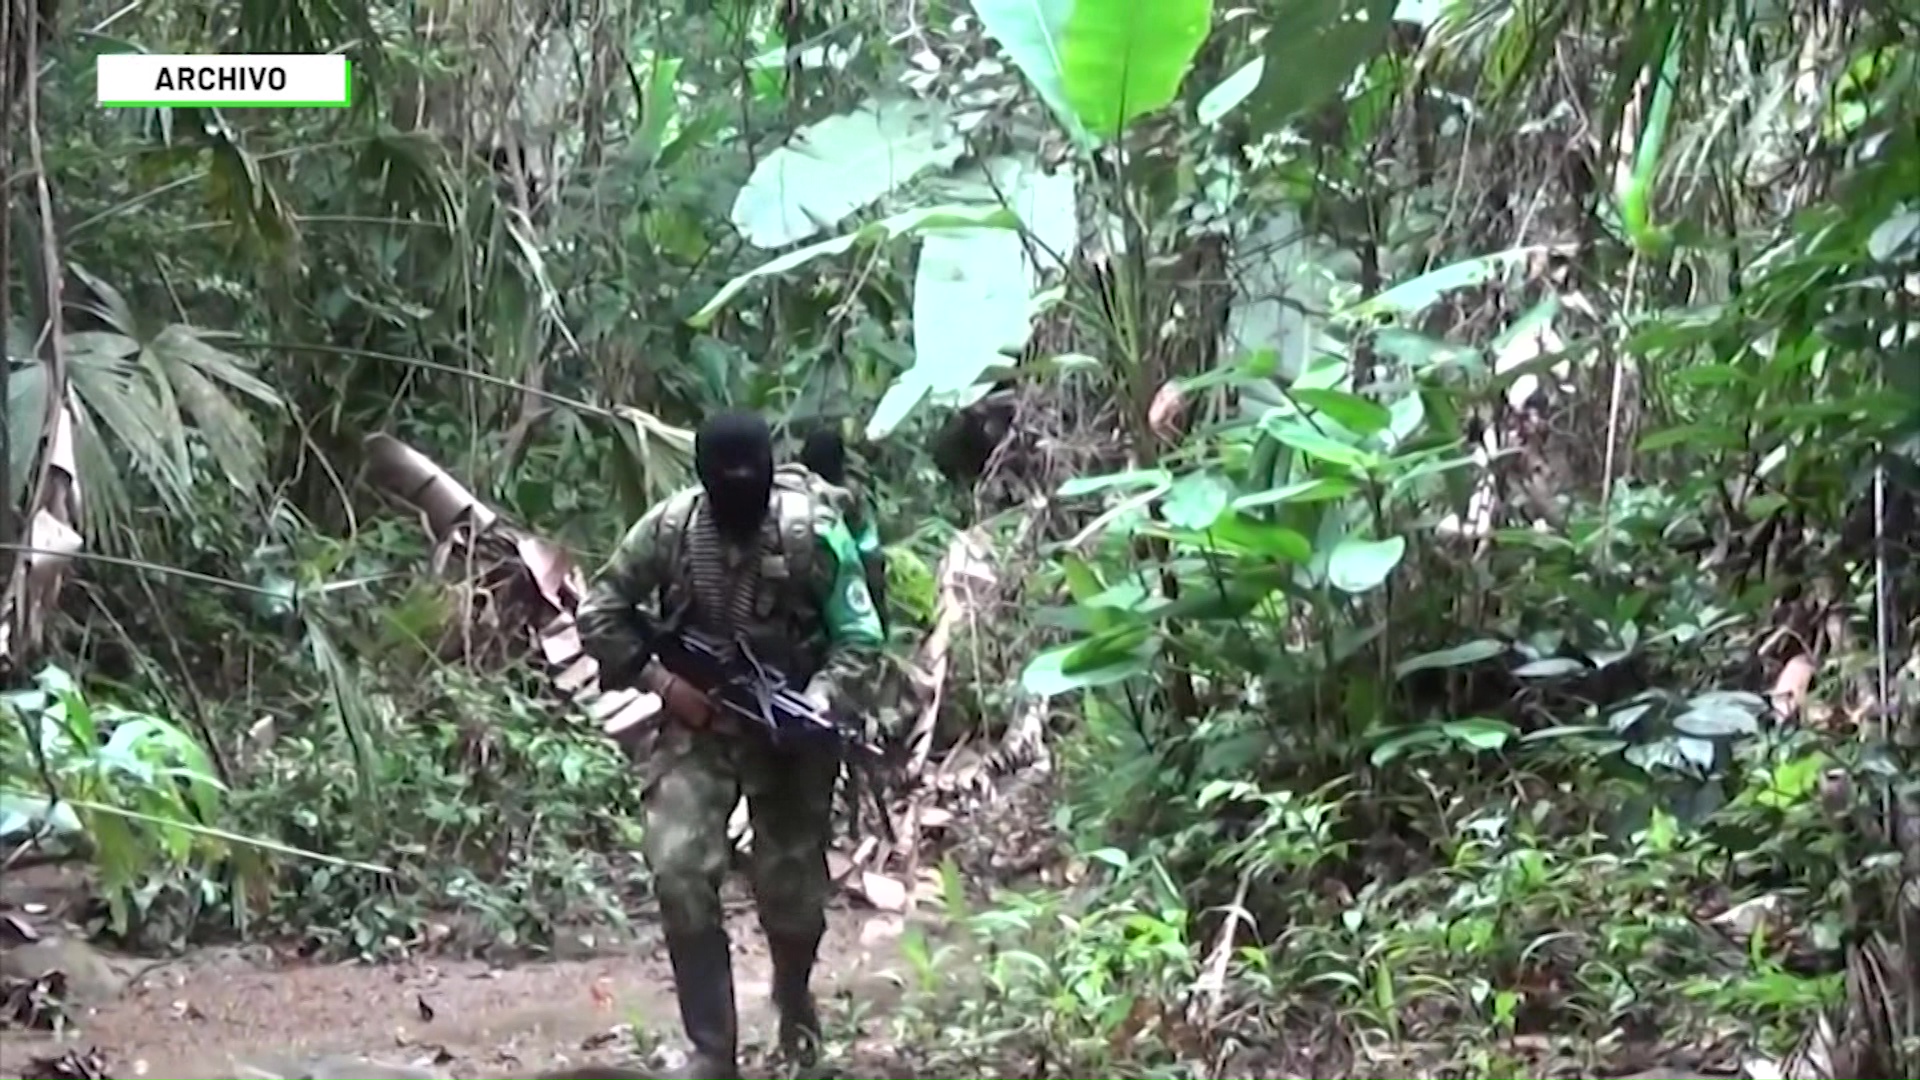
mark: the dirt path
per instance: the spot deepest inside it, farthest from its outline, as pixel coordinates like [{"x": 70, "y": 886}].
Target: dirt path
[{"x": 202, "y": 1017}]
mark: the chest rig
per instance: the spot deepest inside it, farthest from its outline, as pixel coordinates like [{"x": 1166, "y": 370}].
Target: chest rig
[{"x": 761, "y": 592}]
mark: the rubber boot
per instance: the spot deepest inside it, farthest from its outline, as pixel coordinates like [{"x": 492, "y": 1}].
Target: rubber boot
[
  {"x": 703, "y": 981},
  {"x": 793, "y": 958}
]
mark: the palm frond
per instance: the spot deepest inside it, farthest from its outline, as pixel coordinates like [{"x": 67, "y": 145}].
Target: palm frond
[
  {"x": 142, "y": 399},
  {"x": 656, "y": 458}
]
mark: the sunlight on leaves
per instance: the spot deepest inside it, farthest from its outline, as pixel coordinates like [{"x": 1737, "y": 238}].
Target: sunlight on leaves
[
  {"x": 1033, "y": 33},
  {"x": 1473, "y": 652},
  {"x": 840, "y": 165},
  {"x": 1232, "y": 90},
  {"x": 1361, "y": 566},
  {"x": 905, "y": 224},
  {"x": 1124, "y": 59}
]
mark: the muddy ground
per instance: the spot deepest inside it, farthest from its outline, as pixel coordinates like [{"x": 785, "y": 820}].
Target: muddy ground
[{"x": 235, "y": 1012}]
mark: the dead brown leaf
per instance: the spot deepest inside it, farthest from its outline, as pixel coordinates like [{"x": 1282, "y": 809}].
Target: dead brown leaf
[
  {"x": 885, "y": 893},
  {"x": 1167, "y": 413}
]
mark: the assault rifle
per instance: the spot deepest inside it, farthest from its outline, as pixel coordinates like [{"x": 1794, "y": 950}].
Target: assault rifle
[{"x": 739, "y": 683}]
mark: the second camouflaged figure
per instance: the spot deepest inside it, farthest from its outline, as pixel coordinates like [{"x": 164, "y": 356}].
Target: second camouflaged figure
[{"x": 825, "y": 453}]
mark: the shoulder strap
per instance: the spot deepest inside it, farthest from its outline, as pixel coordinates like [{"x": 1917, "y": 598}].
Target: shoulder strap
[
  {"x": 795, "y": 513},
  {"x": 804, "y": 499}
]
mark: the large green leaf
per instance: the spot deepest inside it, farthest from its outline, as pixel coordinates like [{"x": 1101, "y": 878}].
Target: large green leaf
[
  {"x": 1351, "y": 411},
  {"x": 1044, "y": 201},
  {"x": 1414, "y": 297},
  {"x": 1126, "y": 58},
  {"x": 973, "y": 292},
  {"x": 1238, "y": 533},
  {"x": 1306, "y": 439},
  {"x": 1312, "y": 49},
  {"x": 1360, "y": 566},
  {"x": 1129, "y": 480},
  {"x": 1472, "y": 652},
  {"x": 1033, "y": 34},
  {"x": 147, "y": 394},
  {"x": 1107, "y": 658},
  {"x": 1197, "y": 501},
  {"x": 878, "y": 232},
  {"x": 1232, "y": 90},
  {"x": 1098, "y": 64},
  {"x": 971, "y": 308},
  {"x": 844, "y": 163}
]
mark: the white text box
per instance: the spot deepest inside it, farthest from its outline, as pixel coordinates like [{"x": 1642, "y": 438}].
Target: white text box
[{"x": 132, "y": 80}]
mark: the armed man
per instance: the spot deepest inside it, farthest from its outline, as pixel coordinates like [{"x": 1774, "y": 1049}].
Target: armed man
[
  {"x": 762, "y": 560},
  {"x": 824, "y": 452}
]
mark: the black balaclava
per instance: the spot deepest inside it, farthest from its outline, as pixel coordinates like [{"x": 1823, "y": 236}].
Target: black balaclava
[
  {"x": 825, "y": 453},
  {"x": 733, "y": 454}
]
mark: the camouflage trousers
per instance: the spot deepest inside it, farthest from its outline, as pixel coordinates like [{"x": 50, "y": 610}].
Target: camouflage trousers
[{"x": 694, "y": 778}]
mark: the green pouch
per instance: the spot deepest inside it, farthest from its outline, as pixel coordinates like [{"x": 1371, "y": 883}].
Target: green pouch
[{"x": 851, "y": 618}]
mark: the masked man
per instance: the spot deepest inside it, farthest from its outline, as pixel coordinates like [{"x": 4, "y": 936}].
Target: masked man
[
  {"x": 824, "y": 453},
  {"x": 766, "y": 557}
]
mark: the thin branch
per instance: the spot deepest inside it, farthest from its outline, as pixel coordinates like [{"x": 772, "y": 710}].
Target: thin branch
[
  {"x": 28, "y": 30},
  {"x": 7, "y": 33}
]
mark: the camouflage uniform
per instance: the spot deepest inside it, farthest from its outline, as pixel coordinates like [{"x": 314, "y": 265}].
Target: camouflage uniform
[{"x": 802, "y": 602}]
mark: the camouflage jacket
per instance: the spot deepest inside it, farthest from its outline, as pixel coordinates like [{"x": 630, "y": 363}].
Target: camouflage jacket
[{"x": 801, "y": 599}]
